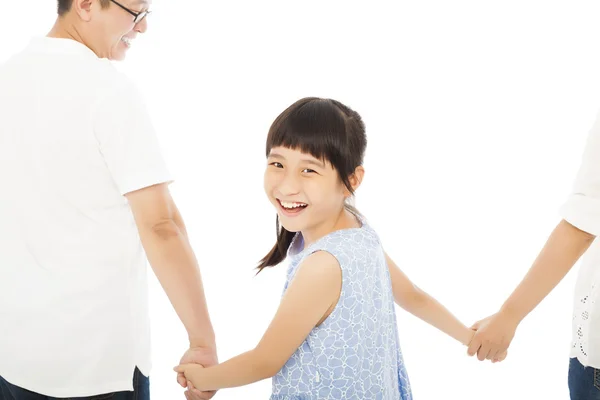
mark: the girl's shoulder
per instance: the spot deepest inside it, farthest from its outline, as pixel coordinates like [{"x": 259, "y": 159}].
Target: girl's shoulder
[{"x": 343, "y": 242}]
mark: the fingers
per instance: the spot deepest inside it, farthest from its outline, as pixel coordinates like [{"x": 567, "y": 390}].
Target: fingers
[
  {"x": 194, "y": 394},
  {"x": 193, "y": 389},
  {"x": 484, "y": 351},
  {"x": 190, "y": 396},
  {"x": 492, "y": 355},
  {"x": 199, "y": 395},
  {"x": 180, "y": 369},
  {"x": 183, "y": 368},
  {"x": 474, "y": 345},
  {"x": 495, "y": 354},
  {"x": 181, "y": 380},
  {"x": 500, "y": 357},
  {"x": 191, "y": 393}
]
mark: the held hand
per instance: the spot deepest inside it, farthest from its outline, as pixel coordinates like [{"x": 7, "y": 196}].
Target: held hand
[
  {"x": 472, "y": 332},
  {"x": 205, "y": 356},
  {"x": 194, "y": 394},
  {"x": 193, "y": 373},
  {"x": 493, "y": 337}
]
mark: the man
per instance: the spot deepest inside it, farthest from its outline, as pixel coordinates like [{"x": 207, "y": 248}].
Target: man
[
  {"x": 574, "y": 236},
  {"x": 85, "y": 192}
]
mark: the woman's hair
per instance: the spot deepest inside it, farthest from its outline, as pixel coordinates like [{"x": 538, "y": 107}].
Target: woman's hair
[{"x": 326, "y": 129}]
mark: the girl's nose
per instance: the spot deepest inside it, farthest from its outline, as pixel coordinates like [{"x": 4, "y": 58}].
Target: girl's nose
[{"x": 289, "y": 185}]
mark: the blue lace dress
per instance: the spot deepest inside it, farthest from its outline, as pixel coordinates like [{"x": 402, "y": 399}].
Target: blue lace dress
[{"x": 355, "y": 353}]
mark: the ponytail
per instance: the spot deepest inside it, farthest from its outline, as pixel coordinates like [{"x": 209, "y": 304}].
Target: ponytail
[{"x": 279, "y": 251}]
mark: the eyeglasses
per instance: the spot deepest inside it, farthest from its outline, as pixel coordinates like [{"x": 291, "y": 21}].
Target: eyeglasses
[{"x": 137, "y": 17}]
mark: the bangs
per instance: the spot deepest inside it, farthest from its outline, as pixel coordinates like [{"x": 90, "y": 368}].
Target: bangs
[{"x": 313, "y": 126}]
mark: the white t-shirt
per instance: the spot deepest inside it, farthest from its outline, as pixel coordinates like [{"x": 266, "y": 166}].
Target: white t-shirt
[
  {"x": 74, "y": 138},
  {"x": 582, "y": 210}
]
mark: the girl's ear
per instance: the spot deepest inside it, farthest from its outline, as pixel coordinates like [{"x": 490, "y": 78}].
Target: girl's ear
[{"x": 356, "y": 179}]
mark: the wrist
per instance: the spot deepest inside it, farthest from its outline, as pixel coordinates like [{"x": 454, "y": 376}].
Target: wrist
[
  {"x": 467, "y": 337},
  {"x": 511, "y": 314},
  {"x": 207, "y": 340}
]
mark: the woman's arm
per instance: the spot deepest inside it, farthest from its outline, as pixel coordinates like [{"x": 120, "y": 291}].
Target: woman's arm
[{"x": 564, "y": 247}]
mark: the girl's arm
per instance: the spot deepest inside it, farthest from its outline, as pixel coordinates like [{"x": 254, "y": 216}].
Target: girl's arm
[
  {"x": 422, "y": 305},
  {"x": 309, "y": 299}
]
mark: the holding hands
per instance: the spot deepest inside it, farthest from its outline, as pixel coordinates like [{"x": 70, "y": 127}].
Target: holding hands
[
  {"x": 492, "y": 337},
  {"x": 199, "y": 357}
]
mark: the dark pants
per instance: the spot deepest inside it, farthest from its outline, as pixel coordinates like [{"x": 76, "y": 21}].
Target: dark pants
[
  {"x": 141, "y": 387},
  {"x": 584, "y": 383}
]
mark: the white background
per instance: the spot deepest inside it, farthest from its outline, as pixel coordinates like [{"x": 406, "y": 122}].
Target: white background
[{"x": 476, "y": 113}]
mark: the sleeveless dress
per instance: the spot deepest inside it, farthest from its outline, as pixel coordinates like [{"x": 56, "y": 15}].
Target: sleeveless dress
[{"x": 355, "y": 353}]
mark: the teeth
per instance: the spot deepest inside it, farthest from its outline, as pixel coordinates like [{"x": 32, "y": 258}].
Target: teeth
[
  {"x": 292, "y": 205},
  {"x": 126, "y": 40}
]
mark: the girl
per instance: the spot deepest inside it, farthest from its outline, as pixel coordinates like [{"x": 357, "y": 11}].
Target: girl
[{"x": 335, "y": 333}]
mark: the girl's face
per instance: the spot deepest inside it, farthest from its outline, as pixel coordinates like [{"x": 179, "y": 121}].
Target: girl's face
[{"x": 306, "y": 192}]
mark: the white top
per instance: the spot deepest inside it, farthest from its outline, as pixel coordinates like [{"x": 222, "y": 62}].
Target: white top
[
  {"x": 74, "y": 137},
  {"x": 582, "y": 210}
]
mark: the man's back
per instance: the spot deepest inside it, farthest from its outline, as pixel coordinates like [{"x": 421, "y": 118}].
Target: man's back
[{"x": 74, "y": 138}]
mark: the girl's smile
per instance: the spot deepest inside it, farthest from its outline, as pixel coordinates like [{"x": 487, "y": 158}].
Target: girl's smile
[{"x": 290, "y": 208}]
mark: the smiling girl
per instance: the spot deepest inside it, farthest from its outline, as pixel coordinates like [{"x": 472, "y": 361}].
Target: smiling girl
[{"x": 335, "y": 334}]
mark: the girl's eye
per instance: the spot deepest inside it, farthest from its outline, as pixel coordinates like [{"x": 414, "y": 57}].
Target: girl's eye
[
  {"x": 309, "y": 171},
  {"x": 276, "y": 164}
]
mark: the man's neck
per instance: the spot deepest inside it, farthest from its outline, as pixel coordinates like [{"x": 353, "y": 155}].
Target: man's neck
[{"x": 64, "y": 29}]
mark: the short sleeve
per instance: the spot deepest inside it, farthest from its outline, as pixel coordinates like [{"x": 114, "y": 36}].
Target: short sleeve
[
  {"x": 582, "y": 208},
  {"x": 128, "y": 141}
]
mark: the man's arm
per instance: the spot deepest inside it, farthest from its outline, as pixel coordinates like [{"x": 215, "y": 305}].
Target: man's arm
[{"x": 165, "y": 241}]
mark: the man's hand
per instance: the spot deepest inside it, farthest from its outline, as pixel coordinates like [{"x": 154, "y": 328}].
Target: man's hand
[{"x": 205, "y": 356}]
